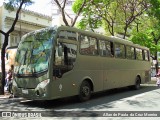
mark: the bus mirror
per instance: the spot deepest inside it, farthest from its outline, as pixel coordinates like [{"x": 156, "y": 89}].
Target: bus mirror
[{"x": 59, "y": 50}]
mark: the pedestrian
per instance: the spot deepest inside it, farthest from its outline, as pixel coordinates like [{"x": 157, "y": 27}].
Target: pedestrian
[
  {"x": 158, "y": 80},
  {"x": 7, "y": 80},
  {"x": 11, "y": 81}
]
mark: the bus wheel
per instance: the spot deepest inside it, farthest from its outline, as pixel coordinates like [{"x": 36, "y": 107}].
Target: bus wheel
[
  {"x": 137, "y": 83},
  {"x": 85, "y": 91}
]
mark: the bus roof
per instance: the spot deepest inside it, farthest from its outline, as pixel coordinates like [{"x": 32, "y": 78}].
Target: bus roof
[{"x": 100, "y": 36}]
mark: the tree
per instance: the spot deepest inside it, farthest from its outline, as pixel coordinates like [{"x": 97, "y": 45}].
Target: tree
[
  {"x": 131, "y": 10},
  {"x": 62, "y": 4},
  {"x": 149, "y": 31},
  {"x": 95, "y": 12},
  {"x": 114, "y": 13},
  {"x": 11, "y": 5},
  {"x": 149, "y": 36}
]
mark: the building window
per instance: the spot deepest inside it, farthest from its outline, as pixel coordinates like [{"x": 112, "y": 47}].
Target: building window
[
  {"x": 14, "y": 39},
  {"x": 69, "y": 3}
]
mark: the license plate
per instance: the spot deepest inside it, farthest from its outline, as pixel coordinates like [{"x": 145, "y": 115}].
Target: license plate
[{"x": 25, "y": 91}]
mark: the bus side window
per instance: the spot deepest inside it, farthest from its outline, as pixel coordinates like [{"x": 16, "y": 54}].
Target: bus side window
[
  {"x": 139, "y": 55},
  {"x": 67, "y": 35},
  {"x": 105, "y": 48},
  {"x": 130, "y": 52},
  {"x": 146, "y": 55},
  {"x": 65, "y": 57},
  {"x": 88, "y": 45},
  {"x": 84, "y": 48},
  {"x": 72, "y": 35},
  {"x": 62, "y": 34},
  {"x": 93, "y": 46},
  {"x": 119, "y": 50}
]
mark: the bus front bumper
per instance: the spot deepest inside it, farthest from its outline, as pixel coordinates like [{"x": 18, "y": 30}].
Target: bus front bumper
[
  {"x": 39, "y": 93},
  {"x": 29, "y": 94}
]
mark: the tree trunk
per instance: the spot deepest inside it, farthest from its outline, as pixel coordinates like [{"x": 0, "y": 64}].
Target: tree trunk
[
  {"x": 125, "y": 31},
  {"x": 3, "y": 72},
  {"x": 3, "y": 63},
  {"x": 6, "y": 43}
]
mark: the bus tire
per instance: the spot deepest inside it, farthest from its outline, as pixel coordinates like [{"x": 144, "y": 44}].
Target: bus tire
[
  {"x": 85, "y": 91},
  {"x": 137, "y": 83}
]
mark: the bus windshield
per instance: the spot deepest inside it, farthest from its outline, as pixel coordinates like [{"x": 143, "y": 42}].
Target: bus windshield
[{"x": 33, "y": 53}]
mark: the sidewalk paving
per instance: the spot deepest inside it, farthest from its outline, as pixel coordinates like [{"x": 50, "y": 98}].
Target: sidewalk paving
[
  {"x": 6, "y": 95},
  {"x": 153, "y": 78}
]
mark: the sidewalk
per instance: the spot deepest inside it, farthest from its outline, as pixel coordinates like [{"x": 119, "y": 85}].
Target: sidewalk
[
  {"x": 153, "y": 80},
  {"x": 6, "y": 95}
]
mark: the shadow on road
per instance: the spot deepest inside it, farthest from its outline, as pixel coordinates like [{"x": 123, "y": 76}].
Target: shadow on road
[{"x": 98, "y": 99}]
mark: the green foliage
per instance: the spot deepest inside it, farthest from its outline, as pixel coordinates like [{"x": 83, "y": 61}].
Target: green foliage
[
  {"x": 91, "y": 16},
  {"x": 115, "y": 16},
  {"x": 118, "y": 15},
  {"x": 155, "y": 9},
  {"x": 76, "y": 6},
  {"x": 146, "y": 40},
  {"x": 89, "y": 20},
  {"x": 142, "y": 38},
  {"x": 89, "y": 23},
  {"x": 148, "y": 35}
]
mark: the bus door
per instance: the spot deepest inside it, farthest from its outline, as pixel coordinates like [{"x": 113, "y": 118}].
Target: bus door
[{"x": 64, "y": 60}]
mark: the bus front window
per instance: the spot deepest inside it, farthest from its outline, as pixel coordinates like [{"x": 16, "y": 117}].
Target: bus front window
[
  {"x": 65, "y": 57},
  {"x": 34, "y": 53}
]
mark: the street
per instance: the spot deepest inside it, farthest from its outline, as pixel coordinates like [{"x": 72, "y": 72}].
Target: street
[{"x": 104, "y": 103}]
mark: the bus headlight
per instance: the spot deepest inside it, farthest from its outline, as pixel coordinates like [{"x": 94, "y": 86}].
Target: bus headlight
[{"x": 40, "y": 89}]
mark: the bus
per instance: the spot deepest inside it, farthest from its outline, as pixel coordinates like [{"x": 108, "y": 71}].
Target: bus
[{"x": 58, "y": 62}]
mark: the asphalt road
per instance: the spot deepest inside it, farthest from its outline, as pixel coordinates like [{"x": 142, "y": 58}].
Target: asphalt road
[{"x": 112, "y": 105}]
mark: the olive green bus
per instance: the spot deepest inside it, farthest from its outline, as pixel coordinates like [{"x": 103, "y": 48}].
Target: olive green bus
[{"x": 59, "y": 62}]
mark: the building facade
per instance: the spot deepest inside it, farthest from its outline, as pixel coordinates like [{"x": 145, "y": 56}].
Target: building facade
[
  {"x": 28, "y": 21},
  {"x": 57, "y": 16}
]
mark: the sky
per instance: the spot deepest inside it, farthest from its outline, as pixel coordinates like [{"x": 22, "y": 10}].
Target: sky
[{"x": 40, "y": 6}]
